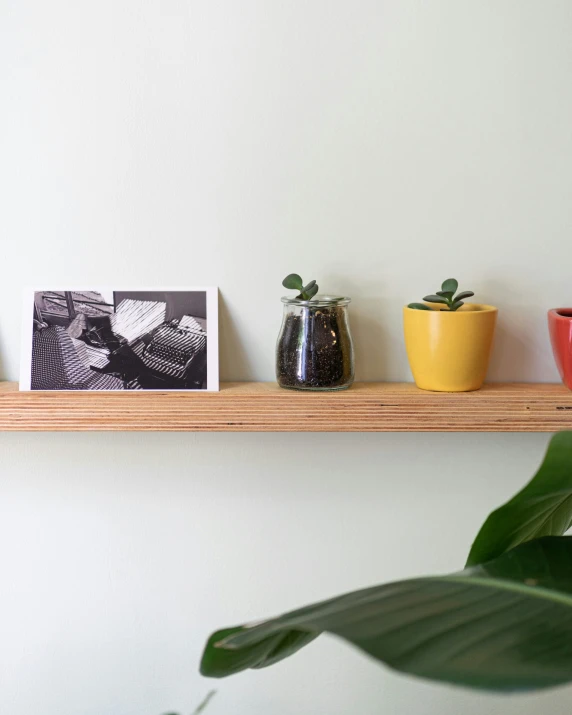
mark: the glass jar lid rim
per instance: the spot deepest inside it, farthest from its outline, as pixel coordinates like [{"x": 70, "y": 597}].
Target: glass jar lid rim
[{"x": 318, "y": 300}]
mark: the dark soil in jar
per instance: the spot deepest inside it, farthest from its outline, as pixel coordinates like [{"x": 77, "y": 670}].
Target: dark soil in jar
[{"x": 315, "y": 350}]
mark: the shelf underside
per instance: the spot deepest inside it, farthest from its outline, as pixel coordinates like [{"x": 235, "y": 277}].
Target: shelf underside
[{"x": 264, "y": 407}]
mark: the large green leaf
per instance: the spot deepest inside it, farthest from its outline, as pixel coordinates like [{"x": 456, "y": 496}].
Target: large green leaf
[
  {"x": 505, "y": 625},
  {"x": 542, "y": 508}
]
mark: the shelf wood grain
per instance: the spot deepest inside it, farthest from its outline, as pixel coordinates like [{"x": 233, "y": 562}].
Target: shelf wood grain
[{"x": 264, "y": 407}]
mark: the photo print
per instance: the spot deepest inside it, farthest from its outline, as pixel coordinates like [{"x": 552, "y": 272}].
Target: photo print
[{"x": 120, "y": 340}]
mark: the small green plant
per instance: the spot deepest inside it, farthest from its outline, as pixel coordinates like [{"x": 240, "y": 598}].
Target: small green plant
[
  {"x": 295, "y": 282},
  {"x": 445, "y": 296}
]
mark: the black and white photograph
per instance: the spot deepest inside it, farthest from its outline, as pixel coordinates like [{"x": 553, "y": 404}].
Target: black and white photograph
[{"x": 120, "y": 340}]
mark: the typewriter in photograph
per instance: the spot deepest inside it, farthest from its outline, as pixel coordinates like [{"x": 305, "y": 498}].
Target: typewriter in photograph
[{"x": 131, "y": 347}]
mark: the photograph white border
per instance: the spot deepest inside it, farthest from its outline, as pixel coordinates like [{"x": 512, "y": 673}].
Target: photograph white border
[{"x": 212, "y": 332}]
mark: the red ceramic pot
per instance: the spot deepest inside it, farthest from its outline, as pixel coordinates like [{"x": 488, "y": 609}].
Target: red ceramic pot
[{"x": 560, "y": 327}]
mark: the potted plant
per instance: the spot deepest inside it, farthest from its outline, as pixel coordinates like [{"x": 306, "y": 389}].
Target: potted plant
[
  {"x": 314, "y": 350},
  {"x": 502, "y": 624},
  {"x": 449, "y": 341},
  {"x": 560, "y": 329}
]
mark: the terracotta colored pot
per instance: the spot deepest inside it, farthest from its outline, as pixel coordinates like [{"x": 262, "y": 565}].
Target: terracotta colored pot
[{"x": 560, "y": 327}]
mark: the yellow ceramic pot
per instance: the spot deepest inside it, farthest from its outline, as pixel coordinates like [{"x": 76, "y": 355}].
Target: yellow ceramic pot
[{"x": 449, "y": 351}]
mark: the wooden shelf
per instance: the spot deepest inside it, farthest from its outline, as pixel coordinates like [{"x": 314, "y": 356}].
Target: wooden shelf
[{"x": 264, "y": 407}]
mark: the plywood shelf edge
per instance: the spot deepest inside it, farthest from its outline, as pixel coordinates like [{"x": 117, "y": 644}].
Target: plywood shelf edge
[{"x": 264, "y": 407}]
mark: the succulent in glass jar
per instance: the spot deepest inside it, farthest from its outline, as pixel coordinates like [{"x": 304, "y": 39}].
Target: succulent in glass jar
[
  {"x": 295, "y": 282},
  {"x": 314, "y": 349}
]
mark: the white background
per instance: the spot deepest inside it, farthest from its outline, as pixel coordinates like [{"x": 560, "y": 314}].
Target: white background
[{"x": 378, "y": 146}]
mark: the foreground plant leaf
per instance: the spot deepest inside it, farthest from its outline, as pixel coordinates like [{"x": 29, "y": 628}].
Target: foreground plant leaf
[
  {"x": 542, "y": 508},
  {"x": 503, "y": 626}
]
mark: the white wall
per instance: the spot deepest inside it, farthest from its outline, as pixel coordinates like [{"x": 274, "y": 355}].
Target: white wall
[{"x": 378, "y": 146}]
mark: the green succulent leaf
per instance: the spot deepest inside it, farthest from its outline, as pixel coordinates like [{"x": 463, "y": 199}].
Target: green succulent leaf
[
  {"x": 456, "y": 305},
  {"x": 464, "y": 294},
  {"x": 435, "y": 299},
  {"x": 293, "y": 281},
  {"x": 308, "y": 293},
  {"x": 445, "y": 293},
  {"x": 311, "y": 292},
  {"x": 450, "y": 285},
  {"x": 419, "y": 306},
  {"x": 542, "y": 508},
  {"x": 503, "y": 626},
  {"x": 308, "y": 287}
]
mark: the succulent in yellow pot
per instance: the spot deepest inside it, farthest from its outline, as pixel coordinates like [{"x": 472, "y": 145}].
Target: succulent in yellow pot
[{"x": 449, "y": 342}]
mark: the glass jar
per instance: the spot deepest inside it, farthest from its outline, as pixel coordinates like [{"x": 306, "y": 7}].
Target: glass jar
[{"x": 315, "y": 349}]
